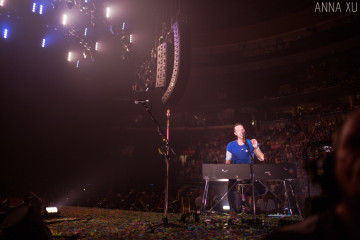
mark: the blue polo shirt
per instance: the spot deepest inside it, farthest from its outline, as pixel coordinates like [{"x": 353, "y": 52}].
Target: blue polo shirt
[{"x": 240, "y": 153}]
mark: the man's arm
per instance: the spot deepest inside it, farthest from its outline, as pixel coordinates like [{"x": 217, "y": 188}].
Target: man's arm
[
  {"x": 257, "y": 150},
  {"x": 228, "y": 157},
  {"x": 259, "y": 154}
]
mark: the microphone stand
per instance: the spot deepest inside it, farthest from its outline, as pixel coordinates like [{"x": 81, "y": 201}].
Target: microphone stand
[
  {"x": 166, "y": 153},
  {"x": 252, "y": 180}
]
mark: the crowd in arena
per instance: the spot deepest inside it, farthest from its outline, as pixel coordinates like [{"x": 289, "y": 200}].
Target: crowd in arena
[{"x": 338, "y": 72}]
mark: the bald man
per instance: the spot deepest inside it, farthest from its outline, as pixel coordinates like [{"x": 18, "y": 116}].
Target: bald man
[{"x": 347, "y": 172}]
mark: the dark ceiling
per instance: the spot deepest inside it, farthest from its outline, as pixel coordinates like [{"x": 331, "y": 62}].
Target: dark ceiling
[{"x": 210, "y": 16}]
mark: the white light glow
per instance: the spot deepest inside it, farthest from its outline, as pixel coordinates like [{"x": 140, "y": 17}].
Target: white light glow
[
  {"x": 107, "y": 12},
  {"x": 34, "y": 7},
  {"x": 131, "y": 38},
  {"x": 96, "y": 46},
  {"x": 43, "y": 42},
  {"x": 85, "y": 32},
  {"x": 226, "y": 207},
  {"x": 41, "y": 9},
  {"x": 77, "y": 63},
  {"x": 222, "y": 180},
  {"x": 86, "y": 1},
  {"x": 2, "y": 3},
  {"x": 69, "y": 56},
  {"x": 5, "y": 33},
  {"x": 52, "y": 209},
  {"x": 64, "y": 19},
  {"x": 123, "y": 26}
]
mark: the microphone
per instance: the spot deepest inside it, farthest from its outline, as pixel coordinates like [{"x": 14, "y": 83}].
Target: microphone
[
  {"x": 141, "y": 101},
  {"x": 244, "y": 133}
]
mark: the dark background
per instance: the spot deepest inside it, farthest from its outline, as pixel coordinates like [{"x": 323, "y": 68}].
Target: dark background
[{"x": 64, "y": 128}]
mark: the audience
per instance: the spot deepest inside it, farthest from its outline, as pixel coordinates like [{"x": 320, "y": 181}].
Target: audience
[{"x": 342, "y": 220}]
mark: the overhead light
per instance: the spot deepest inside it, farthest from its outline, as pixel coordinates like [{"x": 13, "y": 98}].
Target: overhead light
[
  {"x": 2, "y": 3},
  {"x": 41, "y": 9},
  {"x": 64, "y": 19},
  {"x": 107, "y": 12},
  {"x": 5, "y": 35},
  {"x": 43, "y": 42},
  {"x": 69, "y": 56},
  {"x": 34, "y": 7}
]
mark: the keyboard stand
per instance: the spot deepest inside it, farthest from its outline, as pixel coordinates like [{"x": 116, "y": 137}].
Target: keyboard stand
[
  {"x": 204, "y": 200},
  {"x": 288, "y": 199}
]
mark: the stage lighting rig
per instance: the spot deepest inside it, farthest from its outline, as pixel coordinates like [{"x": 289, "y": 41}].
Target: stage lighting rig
[
  {"x": 81, "y": 27},
  {"x": 146, "y": 75},
  {"x": 55, "y": 4},
  {"x": 70, "y": 4},
  {"x": 88, "y": 52}
]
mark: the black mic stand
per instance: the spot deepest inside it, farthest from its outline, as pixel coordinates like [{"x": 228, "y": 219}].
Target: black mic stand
[
  {"x": 166, "y": 153},
  {"x": 252, "y": 180}
]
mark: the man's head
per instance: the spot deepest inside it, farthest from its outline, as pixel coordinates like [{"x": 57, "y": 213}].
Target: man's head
[
  {"x": 239, "y": 130},
  {"x": 347, "y": 165}
]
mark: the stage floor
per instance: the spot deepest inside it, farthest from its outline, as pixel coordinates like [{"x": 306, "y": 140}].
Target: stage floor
[{"x": 98, "y": 223}]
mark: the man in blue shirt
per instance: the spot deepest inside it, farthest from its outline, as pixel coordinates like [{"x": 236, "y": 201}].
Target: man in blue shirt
[{"x": 237, "y": 152}]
